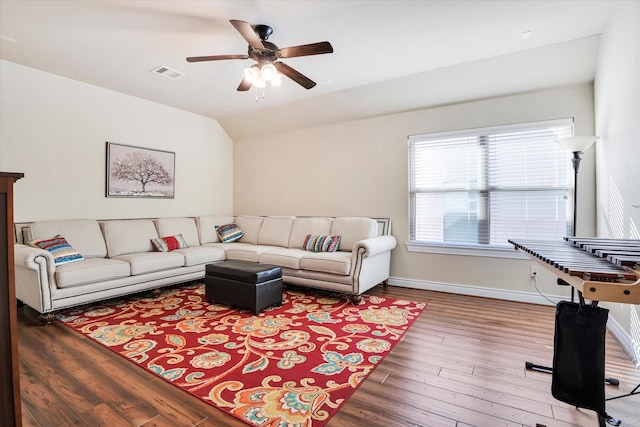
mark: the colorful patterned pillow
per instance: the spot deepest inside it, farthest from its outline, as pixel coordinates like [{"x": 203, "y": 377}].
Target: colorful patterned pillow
[
  {"x": 321, "y": 243},
  {"x": 169, "y": 243},
  {"x": 229, "y": 232},
  {"x": 60, "y": 249}
]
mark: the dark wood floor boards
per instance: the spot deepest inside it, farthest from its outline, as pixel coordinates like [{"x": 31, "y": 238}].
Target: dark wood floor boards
[{"x": 460, "y": 365}]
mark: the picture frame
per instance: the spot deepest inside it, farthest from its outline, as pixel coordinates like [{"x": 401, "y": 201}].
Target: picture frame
[{"x": 139, "y": 172}]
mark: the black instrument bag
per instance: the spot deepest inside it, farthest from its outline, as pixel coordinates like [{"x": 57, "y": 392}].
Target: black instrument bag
[{"x": 578, "y": 355}]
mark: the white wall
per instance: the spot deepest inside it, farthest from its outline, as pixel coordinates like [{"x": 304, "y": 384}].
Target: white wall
[
  {"x": 54, "y": 130},
  {"x": 617, "y": 106},
  {"x": 361, "y": 168}
]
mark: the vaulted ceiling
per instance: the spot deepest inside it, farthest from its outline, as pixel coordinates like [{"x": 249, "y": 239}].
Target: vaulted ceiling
[{"x": 389, "y": 55}]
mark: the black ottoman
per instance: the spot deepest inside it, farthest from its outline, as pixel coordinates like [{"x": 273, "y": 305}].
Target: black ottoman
[{"x": 243, "y": 284}]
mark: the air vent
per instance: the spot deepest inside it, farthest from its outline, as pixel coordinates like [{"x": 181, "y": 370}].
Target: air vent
[{"x": 167, "y": 72}]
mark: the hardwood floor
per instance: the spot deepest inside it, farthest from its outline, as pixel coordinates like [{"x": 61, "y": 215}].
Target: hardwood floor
[{"x": 461, "y": 364}]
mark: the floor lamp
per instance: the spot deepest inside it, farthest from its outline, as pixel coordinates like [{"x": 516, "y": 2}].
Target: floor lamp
[{"x": 576, "y": 145}]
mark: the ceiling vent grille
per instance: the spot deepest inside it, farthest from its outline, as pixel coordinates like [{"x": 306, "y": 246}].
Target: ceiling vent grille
[{"x": 167, "y": 72}]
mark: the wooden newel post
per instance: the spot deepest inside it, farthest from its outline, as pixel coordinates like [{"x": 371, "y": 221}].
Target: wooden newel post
[{"x": 11, "y": 414}]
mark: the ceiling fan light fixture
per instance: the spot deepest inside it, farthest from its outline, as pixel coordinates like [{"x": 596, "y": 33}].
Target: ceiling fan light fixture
[
  {"x": 252, "y": 74},
  {"x": 269, "y": 72}
]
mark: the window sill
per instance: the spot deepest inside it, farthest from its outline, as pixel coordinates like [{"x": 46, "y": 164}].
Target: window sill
[{"x": 467, "y": 250}]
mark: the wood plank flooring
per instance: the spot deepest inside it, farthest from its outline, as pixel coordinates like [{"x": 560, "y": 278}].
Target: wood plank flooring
[{"x": 460, "y": 365}]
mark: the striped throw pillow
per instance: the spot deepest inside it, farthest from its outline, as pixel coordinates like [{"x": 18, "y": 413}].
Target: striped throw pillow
[
  {"x": 229, "y": 232},
  {"x": 321, "y": 243},
  {"x": 169, "y": 243},
  {"x": 60, "y": 249}
]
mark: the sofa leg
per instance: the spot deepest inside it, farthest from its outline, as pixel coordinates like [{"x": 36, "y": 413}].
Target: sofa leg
[
  {"x": 155, "y": 293},
  {"x": 356, "y": 299},
  {"x": 46, "y": 318},
  {"x": 19, "y": 304},
  {"x": 385, "y": 283}
]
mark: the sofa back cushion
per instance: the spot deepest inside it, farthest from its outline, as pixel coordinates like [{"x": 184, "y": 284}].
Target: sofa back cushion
[
  {"x": 304, "y": 226},
  {"x": 353, "y": 229},
  {"x": 207, "y": 227},
  {"x": 174, "y": 226},
  {"x": 129, "y": 236},
  {"x": 275, "y": 231},
  {"x": 251, "y": 227},
  {"x": 82, "y": 234}
]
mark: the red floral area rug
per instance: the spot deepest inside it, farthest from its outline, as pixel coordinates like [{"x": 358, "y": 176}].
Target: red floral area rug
[{"x": 293, "y": 365}]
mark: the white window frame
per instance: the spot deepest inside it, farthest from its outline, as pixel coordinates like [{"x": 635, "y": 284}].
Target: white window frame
[{"x": 469, "y": 249}]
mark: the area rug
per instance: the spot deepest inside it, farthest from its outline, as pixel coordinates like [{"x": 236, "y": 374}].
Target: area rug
[{"x": 292, "y": 366}]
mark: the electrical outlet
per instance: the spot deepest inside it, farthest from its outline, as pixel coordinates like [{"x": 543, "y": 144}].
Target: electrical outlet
[{"x": 535, "y": 270}]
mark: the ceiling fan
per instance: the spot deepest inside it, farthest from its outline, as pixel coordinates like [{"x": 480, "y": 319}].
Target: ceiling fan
[{"x": 267, "y": 55}]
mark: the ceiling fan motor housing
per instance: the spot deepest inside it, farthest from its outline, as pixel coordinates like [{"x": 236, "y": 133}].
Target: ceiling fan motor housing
[{"x": 269, "y": 53}]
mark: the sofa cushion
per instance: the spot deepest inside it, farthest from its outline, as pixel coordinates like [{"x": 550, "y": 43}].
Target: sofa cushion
[
  {"x": 129, "y": 236},
  {"x": 169, "y": 243},
  {"x": 207, "y": 227},
  {"x": 201, "y": 255},
  {"x": 251, "y": 227},
  {"x": 83, "y": 235},
  {"x": 184, "y": 226},
  {"x": 246, "y": 251},
  {"x": 148, "y": 262},
  {"x": 352, "y": 230},
  {"x": 315, "y": 243},
  {"x": 91, "y": 270},
  {"x": 275, "y": 231},
  {"x": 303, "y": 226},
  {"x": 327, "y": 262},
  {"x": 59, "y": 248},
  {"x": 284, "y": 257},
  {"x": 228, "y": 233}
]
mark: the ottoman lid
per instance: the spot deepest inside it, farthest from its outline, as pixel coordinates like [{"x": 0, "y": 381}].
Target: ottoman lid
[{"x": 244, "y": 271}]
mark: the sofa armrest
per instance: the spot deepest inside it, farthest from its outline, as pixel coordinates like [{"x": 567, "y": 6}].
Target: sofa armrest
[
  {"x": 32, "y": 258},
  {"x": 35, "y": 259},
  {"x": 375, "y": 245}
]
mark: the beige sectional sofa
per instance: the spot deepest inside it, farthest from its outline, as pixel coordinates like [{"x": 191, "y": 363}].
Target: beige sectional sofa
[{"x": 119, "y": 258}]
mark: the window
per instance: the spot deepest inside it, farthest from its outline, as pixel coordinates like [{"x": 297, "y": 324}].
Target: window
[{"x": 480, "y": 187}]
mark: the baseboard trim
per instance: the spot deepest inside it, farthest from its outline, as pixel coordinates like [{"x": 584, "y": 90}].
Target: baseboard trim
[
  {"x": 528, "y": 297},
  {"x": 625, "y": 340}
]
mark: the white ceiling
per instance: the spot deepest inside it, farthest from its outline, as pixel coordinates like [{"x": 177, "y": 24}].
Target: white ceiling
[{"x": 389, "y": 55}]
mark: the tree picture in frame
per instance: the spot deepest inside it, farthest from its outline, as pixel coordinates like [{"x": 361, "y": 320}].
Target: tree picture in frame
[{"x": 139, "y": 172}]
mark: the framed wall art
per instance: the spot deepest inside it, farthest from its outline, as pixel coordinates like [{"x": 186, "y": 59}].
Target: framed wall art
[{"x": 140, "y": 172}]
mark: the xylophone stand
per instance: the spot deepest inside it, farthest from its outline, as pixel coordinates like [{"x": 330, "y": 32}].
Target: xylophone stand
[
  {"x": 633, "y": 393},
  {"x": 548, "y": 370}
]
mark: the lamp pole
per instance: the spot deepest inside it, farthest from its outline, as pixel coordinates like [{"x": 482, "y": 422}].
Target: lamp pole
[
  {"x": 575, "y": 161},
  {"x": 576, "y": 145}
]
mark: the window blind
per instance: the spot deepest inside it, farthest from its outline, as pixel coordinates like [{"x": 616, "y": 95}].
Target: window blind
[{"x": 485, "y": 186}]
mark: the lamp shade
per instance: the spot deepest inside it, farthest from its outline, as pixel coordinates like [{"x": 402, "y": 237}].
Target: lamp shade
[{"x": 577, "y": 143}]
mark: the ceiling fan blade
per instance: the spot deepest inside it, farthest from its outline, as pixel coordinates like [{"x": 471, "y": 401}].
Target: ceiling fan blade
[
  {"x": 215, "y": 58},
  {"x": 246, "y": 30},
  {"x": 306, "y": 50},
  {"x": 294, "y": 75},
  {"x": 244, "y": 85}
]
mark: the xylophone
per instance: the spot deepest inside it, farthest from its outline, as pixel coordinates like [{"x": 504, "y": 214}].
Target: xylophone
[{"x": 602, "y": 269}]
